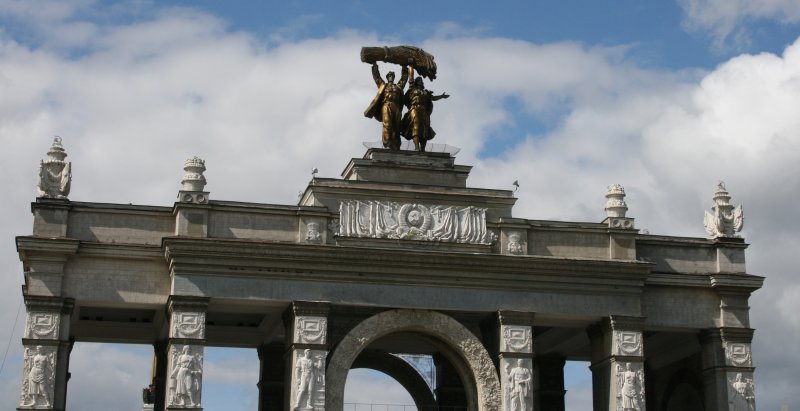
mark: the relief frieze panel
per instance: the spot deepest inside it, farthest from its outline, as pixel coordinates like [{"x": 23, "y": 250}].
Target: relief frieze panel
[{"x": 385, "y": 219}]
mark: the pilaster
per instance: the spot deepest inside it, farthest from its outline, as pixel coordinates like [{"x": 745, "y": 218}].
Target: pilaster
[
  {"x": 515, "y": 354},
  {"x": 307, "y": 338},
  {"x": 187, "y": 329},
  {"x": 618, "y": 364},
  {"x": 728, "y": 369},
  {"x": 47, "y": 348}
]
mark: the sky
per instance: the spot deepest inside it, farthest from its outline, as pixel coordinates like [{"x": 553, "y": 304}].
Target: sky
[{"x": 666, "y": 98}]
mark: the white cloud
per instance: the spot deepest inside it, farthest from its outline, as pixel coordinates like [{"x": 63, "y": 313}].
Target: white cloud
[
  {"x": 726, "y": 20},
  {"x": 144, "y": 96}
]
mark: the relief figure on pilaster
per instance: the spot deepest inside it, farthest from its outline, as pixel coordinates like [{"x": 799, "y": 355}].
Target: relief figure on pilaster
[
  {"x": 520, "y": 390},
  {"x": 743, "y": 396},
  {"x": 185, "y": 379},
  {"x": 39, "y": 377},
  {"x": 310, "y": 376},
  {"x": 630, "y": 393}
]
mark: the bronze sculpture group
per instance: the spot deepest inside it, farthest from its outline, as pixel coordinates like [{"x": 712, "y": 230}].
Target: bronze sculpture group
[{"x": 387, "y": 106}]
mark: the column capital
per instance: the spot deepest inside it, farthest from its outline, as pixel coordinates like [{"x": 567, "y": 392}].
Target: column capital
[
  {"x": 506, "y": 317},
  {"x": 187, "y": 303}
]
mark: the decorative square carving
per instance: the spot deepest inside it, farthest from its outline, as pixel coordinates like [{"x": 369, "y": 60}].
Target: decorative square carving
[
  {"x": 310, "y": 330},
  {"x": 516, "y": 338},
  {"x": 628, "y": 343},
  {"x": 737, "y": 354},
  {"x": 42, "y": 325},
  {"x": 188, "y": 324}
]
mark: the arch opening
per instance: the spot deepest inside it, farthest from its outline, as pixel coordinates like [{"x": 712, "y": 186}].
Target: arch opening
[{"x": 458, "y": 352}]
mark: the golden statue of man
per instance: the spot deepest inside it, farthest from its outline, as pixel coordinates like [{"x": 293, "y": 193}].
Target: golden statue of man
[{"x": 387, "y": 106}]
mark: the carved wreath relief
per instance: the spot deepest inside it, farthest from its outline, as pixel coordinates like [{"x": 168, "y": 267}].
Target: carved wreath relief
[
  {"x": 188, "y": 324},
  {"x": 741, "y": 394},
  {"x": 630, "y": 387},
  {"x": 185, "y": 376},
  {"x": 738, "y": 354},
  {"x": 312, "y": 232},
  {"x": 309, "y": 380},
  {"x": 38, "y": 377},
  {"x": 42, "y": 325},
  {"x": 383, "y": 219},
  {"x": 310, "y": 330},
  {"x": 628, "y": 343},
  {"x": 517, "y": 381},
  {"x": 514, "y": 243},
  {"x": 516, "y": 338}
]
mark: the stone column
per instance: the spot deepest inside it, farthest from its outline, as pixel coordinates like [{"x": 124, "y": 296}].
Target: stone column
[
  {"x": 270, "y": 383},
  {"x": 307, "y": 337},
  {"x": 47, "y": 347},
  {"x": 450, "y": 394},
  {"x": 728, "y": 369},
  {"x": 548, "y": 383},
  {"x": 159, "y": 373},
  {"x": 515, "y": 352},
  {"x": 618, "y": 364},
  {"x": 187, "y": 332}
]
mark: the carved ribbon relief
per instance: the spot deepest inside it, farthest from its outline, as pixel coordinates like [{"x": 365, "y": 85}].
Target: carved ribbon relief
[
  {"x": 38, "y": 377},
  {"x": 185, "y": 376},
  {"x": 516, "y": 338},
  {"x": 383, "y": 219},
  {"x": 188, "y": 324},
  {"x": 310, "y": 330},
  {"x": 628, "y": 343},
  {"x": 42, "y": 325}
]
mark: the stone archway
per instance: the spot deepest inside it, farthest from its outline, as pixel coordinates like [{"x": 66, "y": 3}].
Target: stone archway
[
  {"x": 463, "y": 349},
  {"x": 401, "y": 371}
]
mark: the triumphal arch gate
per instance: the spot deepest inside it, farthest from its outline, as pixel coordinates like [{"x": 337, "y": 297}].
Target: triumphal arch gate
[{"x": 400, "y": 258}]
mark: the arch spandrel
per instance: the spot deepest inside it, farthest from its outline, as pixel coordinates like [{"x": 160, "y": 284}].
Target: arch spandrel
[{"x": 470, "y": 358}]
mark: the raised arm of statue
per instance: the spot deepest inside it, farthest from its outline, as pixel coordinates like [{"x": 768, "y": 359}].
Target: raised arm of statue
[
  {"x": 376, "y": 75},
  {"x": 439, "y": 97},
  {"x": 403, "y": 78}
]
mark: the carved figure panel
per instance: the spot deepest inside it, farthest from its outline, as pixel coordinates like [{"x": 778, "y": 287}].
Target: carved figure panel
[
  {"x": 188, "y": 324},
  {"x": 42, "y": 325},
  {"x": 517, "y": 383},
  {"x": 308, "y": 380},
  {"x": 628, "y": 343},
  {"x": 630, "y": 393},
  {"x": 185, "y": 376},
  {"x": 516, "y": 338},
  {"x": 738, "y": 354},
  {"x": 383, "y": 219},
  {"x": 741, "y": 392},
  {"x": 38, "y": 377}
]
